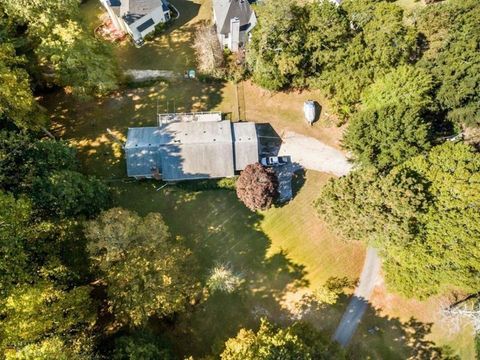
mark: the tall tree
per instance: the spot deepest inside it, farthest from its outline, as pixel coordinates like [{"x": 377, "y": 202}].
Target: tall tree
[
  {"x": 299, "y": 341},
  {"x": 328, "y": 32},
  {"x": 14, "y": 228},
  {"x": 146, "y": 271},
  {"x": 275, "y": 52},
  {"x": 387, "y": 136},
  {"x": 68, "y": 193},
  {"x": 405, "y": 85},
  {"x": 65, "y": 53},
  {"x": 141, "y": 345},
  {"x": 452, "y": 32},
  {"x": 48, "y": 349},
  {"x": 17, "y": 103},
  {"x": 33, "y": 312},
  {"x": 424, "y": 216},
  {"x": 380, "y": 42}
]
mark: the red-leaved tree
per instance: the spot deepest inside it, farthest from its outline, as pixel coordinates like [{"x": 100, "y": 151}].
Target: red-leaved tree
[{"x": 257, "y": 187}]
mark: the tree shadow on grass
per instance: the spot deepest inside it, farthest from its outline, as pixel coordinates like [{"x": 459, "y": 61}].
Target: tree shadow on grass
[
  {"x": 379, "y": 336},
  {"x": 85, "y": 123},
  {"x": 221, "y": 230}
]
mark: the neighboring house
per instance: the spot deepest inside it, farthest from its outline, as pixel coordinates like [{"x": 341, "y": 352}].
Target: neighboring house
[
  {"x": 234, "y": 19},
  {"x": 137, "y": 17},
  {"x": 189, "y": 150}
]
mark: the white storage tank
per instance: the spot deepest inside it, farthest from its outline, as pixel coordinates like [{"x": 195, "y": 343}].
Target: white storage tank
[{"x": 309, "y": 111}]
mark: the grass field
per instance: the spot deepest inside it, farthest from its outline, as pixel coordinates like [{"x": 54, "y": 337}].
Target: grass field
[{"x": 283, "y": 248}]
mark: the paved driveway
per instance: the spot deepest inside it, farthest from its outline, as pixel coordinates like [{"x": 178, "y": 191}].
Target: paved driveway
[{"x": 359, "y": 302}]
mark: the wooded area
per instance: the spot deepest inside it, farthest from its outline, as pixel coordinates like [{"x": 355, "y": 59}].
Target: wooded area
[{"x": 82, "y": 278}]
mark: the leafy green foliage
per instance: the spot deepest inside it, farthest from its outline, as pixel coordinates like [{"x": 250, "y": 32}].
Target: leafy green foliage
[
  {"x": 16, "y": 99},
  {"x": 453, "y": 33},
  {"x": 423, "y": 216},
  {"x": 299, "y": 341},
  {"x": 140, "y": 345},
  {"x": 328, "y": 32},
  {"x": 69, "y": 193},
  {"x": 73, "y": 59},
  {"x": 405, "y": 85},
  {"x": 45, "y": 169},
  {"x": 275, "y": 54},
  {"x": 32, "y": 312},
  {"x": 22, "y": 159},
  {"x": 14, "y": 226},
  {"x": 147, "y": 273},
  {"x": 387, "y": 136},
  {"x": 65, "y": 53},
  {"x": 50, "y": 348}
]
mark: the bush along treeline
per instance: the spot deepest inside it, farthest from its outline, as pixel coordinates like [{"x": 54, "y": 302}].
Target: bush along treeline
[
  {"x": 345, "y": 49},
  {"x": 45, "y": 44}
]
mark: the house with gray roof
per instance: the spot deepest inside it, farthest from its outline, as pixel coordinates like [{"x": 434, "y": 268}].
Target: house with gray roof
[
  {"x": 188, "y": 150},
  {"x": 137, "y": 17},
  {"x": 234, "y": 19}
]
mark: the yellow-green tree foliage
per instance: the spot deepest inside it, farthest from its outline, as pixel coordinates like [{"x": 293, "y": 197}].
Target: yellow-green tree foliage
[
  {"x": 146, "y": 271},
  {"x": 298, "y": 341}
]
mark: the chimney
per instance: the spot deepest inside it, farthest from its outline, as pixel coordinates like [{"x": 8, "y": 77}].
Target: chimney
[{"x": 234, "y": 34}]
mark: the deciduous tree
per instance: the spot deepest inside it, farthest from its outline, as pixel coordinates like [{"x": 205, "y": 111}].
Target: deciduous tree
[
  {"x": 146, "y": 271},
  {"x": 17, "y": 103},
  {"x": 32, "y": 312},
  {"x": 257, "y": 187},
  {"x": 387, "y": 136},
  {"x": 299, "y": 341},
  {"x": 69, "y": 193},
  {"x": 423, "y": 216}
]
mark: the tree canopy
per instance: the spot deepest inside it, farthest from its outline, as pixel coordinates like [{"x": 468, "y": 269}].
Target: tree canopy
[
  {"x": 453, "y": 34},
  {"x": 387, "y": 136},
  {"x": 145, "y": 270},
  {"x": 299, "y": 341},
  {"x": 44, "y": 43},
  {"x": 257, "y": 187},
  {"x": 32, "y": 312},
  {"x": 423, "y": 216}
]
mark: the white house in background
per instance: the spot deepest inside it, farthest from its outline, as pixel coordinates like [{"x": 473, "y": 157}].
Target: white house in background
[
  {"x": 137, "y": 17},
  {"x": 234, "y": 19}
]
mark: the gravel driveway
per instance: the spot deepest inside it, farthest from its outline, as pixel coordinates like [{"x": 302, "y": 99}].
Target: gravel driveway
[{"x": 314, "y": 155}]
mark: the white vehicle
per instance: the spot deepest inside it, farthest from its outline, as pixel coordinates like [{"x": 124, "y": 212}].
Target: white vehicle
[
  {"x": 309, "y": 111},
  {"x": 274, "y": 160}
]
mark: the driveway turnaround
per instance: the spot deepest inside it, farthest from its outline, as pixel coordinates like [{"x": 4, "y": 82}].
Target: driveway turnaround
[
  {"x": 359, "y": 302},
  {"x": 312, "y": 154}
]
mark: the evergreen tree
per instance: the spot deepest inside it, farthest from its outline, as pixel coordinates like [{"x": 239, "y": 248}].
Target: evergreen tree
[{"x": 423, "y": 216}]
